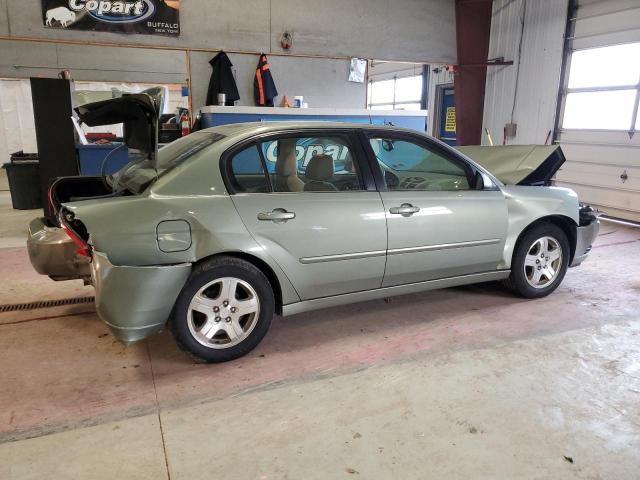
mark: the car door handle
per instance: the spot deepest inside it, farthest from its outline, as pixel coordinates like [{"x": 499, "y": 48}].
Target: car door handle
[
  {"x": 406, "y": 210},
  {"x": 278, "y": 215}
]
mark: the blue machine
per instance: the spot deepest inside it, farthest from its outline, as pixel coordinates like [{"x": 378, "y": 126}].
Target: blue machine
[
  {"x": 91, "y": 156},
  {"x": 215, "y": 116}
]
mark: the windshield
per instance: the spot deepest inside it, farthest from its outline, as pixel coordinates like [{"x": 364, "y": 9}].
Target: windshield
[{"x": 141, "y": 172}]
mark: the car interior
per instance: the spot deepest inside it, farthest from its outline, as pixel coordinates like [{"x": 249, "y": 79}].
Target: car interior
[{"x": 325, "y": 164}]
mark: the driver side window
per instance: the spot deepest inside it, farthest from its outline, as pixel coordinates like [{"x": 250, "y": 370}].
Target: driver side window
[{"x": 407, "y": 165}]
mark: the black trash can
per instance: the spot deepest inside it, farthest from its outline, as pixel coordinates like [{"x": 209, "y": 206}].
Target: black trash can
[{"x": 24, "y": 180}]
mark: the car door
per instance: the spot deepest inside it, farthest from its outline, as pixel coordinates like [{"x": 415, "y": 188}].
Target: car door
[
  {"x": 309, "y": 200},
  {"x": 442, "y": 220}
]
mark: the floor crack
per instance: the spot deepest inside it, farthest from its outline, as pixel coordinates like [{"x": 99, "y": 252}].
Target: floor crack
[{"x": 155, "y": 391}]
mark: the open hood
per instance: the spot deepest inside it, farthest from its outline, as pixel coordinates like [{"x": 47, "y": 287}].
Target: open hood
[
  {"x": 138, "y": 112},
  {"x": 518, "y": 164}
]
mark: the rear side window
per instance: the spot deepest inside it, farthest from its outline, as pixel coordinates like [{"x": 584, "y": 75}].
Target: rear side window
[
  {"x": 311, "y": 164},
  {"x": 247, "y": 172}
]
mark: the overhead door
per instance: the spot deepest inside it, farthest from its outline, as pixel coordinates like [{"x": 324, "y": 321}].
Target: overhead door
[{"x": 600, "y": 129}]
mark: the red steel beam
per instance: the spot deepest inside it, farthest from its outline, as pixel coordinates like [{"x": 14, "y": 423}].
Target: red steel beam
[{"x": 473, "y": 28}]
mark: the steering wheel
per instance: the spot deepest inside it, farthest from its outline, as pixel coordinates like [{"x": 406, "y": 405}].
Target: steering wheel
[{"x": 391, "y": 179}]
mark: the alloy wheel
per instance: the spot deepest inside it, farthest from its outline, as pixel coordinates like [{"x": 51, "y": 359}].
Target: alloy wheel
[
  {"x": 543, "y": 262},
  {"x": 223, "y": 312}
]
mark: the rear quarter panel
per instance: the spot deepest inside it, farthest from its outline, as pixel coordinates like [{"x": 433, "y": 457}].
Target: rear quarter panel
[{"x": 125, "y": 228}]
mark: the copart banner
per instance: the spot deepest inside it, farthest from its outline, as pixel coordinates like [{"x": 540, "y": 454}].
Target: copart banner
[{"x": 151, "y": 17}]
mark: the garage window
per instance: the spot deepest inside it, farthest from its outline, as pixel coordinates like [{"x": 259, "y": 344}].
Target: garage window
[
  {"x": 603, "y": 89},
  {"x": 403, "y": 93}
]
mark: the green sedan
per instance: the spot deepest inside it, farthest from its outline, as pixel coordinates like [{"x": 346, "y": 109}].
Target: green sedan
[{"x": 215, "y": 233}]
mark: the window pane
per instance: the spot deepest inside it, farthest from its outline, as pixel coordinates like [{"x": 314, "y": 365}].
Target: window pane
[
  {"x": 248, "y": 174},
  {"x": 388, "y": 106},
  {"x": 311, "y": 164},
  {"x": 382, "y": 92},
  {"x": 408, "y": 106},
  {"x": 409, "y": 166},
  {"x": 599, "y": 110},
  {"x": 616, "y": 65},
  {"x": 409, "y": 88}
]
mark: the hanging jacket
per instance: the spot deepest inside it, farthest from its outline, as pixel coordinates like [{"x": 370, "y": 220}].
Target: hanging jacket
[
  {"x": 222, "y": 81},
  {"x": 264, "y": 89}
]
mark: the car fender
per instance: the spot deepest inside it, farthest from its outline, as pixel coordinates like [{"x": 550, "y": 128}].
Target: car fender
[{"x": 526, "y": 205}]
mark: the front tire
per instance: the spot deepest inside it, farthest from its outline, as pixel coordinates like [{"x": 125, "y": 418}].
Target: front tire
[
  {"x": 540, "y": 261},
  {"x": 224, "y": 310}
]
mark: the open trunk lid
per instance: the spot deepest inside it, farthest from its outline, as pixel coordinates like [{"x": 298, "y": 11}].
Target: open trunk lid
[
  {"x": 518, "y": 164},
  {"x": 138, "y": 112}
]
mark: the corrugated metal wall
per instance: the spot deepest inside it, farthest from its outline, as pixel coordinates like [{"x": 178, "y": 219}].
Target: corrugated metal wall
[
  {"x": 603, "y": 166},
  {"x": 531, "y": 94}
]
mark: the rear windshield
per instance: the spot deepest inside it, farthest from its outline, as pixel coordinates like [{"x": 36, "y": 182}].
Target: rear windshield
[{"x": 139, "y": 174}]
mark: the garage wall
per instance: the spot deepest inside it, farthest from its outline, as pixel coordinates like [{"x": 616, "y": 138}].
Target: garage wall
[
  {"x": 414, "y": 30},
  {"x": 89, "y": 62},
  {"x": 401, "y": 30},
  {"x": 603, "y": 166},
  {"x": 322, "y": 82},
  {"x": 528, "y": 92}
]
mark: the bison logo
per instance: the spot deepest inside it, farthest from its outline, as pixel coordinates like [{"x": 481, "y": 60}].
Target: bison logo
[{"x": 62, "y": 15}]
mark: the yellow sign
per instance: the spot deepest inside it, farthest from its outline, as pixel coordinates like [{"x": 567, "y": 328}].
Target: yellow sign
[{"x": 450, "y": 123}]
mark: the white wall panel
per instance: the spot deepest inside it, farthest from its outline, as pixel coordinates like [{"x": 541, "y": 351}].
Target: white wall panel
[
  {"x": 531, "y": 95},
  {"x": 17, "y": 128}
]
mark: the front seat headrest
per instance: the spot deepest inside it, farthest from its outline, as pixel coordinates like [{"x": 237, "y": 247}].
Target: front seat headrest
[
  {"x": 320, "y": 168},
  {"x": 286, "y": 163}
]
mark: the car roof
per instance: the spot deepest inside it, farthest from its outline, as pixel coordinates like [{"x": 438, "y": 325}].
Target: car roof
[{"x": 251, "y": 128}]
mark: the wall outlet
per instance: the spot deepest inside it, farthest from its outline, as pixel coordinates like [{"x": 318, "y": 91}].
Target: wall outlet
[{"x": 510, "y": 130}]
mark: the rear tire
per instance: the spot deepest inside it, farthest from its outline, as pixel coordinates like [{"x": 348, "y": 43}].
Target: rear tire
[
  {"x": 540, "y": 261},
  {"x": 224, "y": 310}
]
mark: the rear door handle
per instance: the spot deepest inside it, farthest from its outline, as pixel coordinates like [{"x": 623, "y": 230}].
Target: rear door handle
[
  {"x": 277, "y": 215},
  {"x": 406, "y": 210}
]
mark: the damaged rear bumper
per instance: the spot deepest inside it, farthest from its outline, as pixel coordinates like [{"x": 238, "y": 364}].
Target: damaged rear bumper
[
  {"x": 53, "y": 253},
  {"x": 586, "y": 235},
  {"x": 133, "y": 301}
]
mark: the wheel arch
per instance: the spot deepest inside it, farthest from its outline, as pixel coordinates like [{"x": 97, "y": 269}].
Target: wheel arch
[
  {"x": 565, "y": 223},
  {"x": 260, "y": 264}
]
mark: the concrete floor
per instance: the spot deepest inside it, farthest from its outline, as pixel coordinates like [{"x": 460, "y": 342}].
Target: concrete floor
[{"x": 460, "y": 383}]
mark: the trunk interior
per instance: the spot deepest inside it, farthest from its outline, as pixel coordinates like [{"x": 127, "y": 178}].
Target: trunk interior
[{"x": 75, "y": 189}]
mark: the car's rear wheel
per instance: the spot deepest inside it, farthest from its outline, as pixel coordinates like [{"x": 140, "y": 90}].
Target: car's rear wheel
[
  {"x": 224, "y": 310},
  {"x": 540, "y": 261}
]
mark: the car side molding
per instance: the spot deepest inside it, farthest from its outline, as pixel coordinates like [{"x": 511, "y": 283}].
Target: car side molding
[
  {"x": 444, "y": 246},
  {"x": 397, "y": 251},
  {"x": 334, "y": 301}
]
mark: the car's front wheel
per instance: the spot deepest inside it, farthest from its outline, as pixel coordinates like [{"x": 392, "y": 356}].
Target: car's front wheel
[
  {"x": 224, "y": 310},
  {"x": 540, "y": 261}
]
